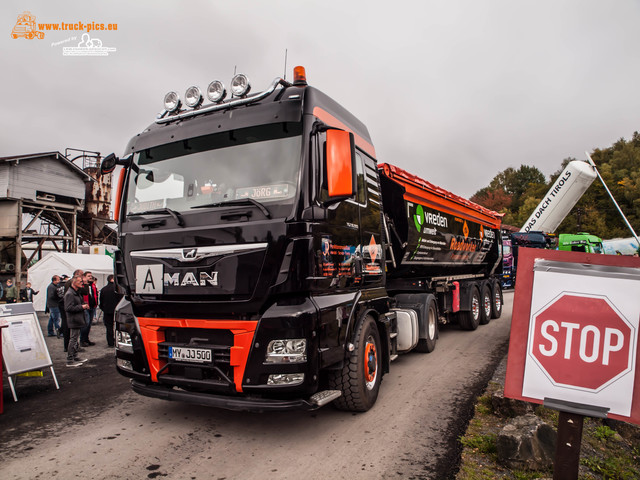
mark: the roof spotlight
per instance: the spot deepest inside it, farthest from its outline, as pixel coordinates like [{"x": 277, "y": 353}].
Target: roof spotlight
[
  {"x": 171, "y": 102},
  {"x": 216, "y": 91},
  {"x": 240, "y": 85},
  {"x": 193, "y": 97}
]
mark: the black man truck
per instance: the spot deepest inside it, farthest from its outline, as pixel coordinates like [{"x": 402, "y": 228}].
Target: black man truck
[{"x": 269, "y": 263}]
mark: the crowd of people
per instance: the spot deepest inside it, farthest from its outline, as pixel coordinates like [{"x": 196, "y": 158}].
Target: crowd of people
[{"x": 72, "y": 304}]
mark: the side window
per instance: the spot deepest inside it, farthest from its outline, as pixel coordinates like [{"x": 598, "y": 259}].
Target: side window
[{"x": 361, "y": 196}]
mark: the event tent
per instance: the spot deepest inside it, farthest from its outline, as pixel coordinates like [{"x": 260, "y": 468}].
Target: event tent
[{"x": 66, "y": 263}]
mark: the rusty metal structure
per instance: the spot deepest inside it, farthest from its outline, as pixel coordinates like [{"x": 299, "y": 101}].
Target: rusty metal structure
[{"x": 49, "y": 201}]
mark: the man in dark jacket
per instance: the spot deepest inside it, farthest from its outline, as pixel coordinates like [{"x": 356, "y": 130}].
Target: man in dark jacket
[
  {"x": 74, "y": 307},
  {"x": 53, "y": 305},
  {"x": 27, "y": 293},
  {"x": 108, "y": 301}
]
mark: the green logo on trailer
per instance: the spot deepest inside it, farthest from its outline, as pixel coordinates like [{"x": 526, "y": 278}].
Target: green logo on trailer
[{"x": 418, "y": 218}]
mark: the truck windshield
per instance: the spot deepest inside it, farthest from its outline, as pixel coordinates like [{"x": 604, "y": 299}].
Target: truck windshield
[{"x": 258, "y": 163}]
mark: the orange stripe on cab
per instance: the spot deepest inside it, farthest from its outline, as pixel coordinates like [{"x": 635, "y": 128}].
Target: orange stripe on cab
[{"x": 332, "y": 121}]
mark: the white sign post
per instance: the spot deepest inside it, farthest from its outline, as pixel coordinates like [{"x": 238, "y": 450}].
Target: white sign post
[{"x": 23, "y": 345}]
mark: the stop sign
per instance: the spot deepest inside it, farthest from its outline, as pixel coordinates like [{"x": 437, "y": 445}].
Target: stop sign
[{"x": 581, "y": 341}]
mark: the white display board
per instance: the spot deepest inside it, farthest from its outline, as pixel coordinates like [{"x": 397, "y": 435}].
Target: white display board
[{"x": 23, "y": 346}]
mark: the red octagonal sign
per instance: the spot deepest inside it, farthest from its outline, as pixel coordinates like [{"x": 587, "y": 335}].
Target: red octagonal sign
[{"x": 581, "y": 342}]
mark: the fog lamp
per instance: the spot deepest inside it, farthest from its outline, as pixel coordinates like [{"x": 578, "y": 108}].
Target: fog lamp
[
  {"x": 216, "y": 91},
  {"x": 125, "y": 364},
  {"x": 193, "y": 97},
  {"x": 240, "y": 85},
  {"x": 171, "y": 102},
  {"x": 285, "y": 379},
  {"x": 287, "y": 351}
]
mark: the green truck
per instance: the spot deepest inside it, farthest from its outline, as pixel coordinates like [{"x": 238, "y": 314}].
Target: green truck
[{"x": 580, "y": 242}]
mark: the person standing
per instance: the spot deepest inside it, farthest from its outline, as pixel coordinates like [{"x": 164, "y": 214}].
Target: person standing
[
  {"x": 27, "y": 293},
  {"x": 53, "y": 304},
  {"x": 108, "y": 301},
  {"x": 11, "y": 292},
  {"x": 74, "y": 308},
  {"x": 90, "y": 296},
  {"x": 66, "y": 285}
]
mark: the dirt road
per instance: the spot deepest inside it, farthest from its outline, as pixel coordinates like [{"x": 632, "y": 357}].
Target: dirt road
[{"x": 96, "y": 427}]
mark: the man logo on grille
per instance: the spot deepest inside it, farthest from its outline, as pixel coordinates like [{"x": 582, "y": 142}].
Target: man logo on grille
[{"x": 189, "y": 253}]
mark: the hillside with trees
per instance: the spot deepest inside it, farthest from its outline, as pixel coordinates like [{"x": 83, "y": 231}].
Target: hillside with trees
[{"x": 516, "y": 193}]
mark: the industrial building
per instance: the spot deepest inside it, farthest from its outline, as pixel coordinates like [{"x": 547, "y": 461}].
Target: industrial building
[{"x": 49, "y": 201}]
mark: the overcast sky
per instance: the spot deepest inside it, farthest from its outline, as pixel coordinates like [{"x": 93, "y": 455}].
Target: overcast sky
[{"x": 453, "y": 91}]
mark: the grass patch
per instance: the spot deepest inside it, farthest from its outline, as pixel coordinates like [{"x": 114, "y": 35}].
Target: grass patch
[
  {"x": 611, "y": 467},
  {"x": 603, "y": 433},
  {"x": 481, "y": 443}
]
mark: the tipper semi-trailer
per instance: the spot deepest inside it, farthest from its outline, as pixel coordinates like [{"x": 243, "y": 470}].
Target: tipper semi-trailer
[{"x": 268, "y": 262}]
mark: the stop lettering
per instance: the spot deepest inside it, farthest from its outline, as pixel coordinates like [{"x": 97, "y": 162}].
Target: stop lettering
[{"x": 581, "y": 342}]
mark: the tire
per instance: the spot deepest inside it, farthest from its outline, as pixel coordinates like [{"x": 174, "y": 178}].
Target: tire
[
  {"x": 427, "y": 345},
  {"x": 486, "y": 306},
  {"x": 497, "y": 301},
  {"x": 470, "y": 319},
  {"x": 360, "y": 377}
]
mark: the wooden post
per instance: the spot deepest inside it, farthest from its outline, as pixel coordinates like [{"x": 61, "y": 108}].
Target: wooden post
[{"x": 567, "y": 460}]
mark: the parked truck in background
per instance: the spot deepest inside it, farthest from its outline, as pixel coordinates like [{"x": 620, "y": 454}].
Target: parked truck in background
[
  {"x": 508, "y": 268},
  {"x": 580, "y": 242},
  {"x": 269, "y": 263}
]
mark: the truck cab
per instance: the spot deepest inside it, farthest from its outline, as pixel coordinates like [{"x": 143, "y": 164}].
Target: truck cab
[
  {"x": 580, "y": 242},
  {"x": 508, "y": 269}
]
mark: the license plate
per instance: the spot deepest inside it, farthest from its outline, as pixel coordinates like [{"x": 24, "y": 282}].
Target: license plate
[{"x": 188, "y": 354}]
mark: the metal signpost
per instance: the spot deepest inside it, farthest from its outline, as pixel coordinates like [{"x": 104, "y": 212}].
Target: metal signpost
[{"x": 574, "y": 342}]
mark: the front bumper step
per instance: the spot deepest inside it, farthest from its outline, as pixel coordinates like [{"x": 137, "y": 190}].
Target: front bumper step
[{"x": 242, "y": 404}]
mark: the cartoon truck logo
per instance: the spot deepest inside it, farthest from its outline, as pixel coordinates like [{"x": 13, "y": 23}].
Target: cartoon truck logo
[{"x": 26, "y": 27}]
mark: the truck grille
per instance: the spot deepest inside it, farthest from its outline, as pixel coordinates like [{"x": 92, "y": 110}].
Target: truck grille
[{"x": 214, "y": 376}]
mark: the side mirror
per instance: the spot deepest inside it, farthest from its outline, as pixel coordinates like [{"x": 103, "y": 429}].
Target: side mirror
[
  {"x": 108, "y": 164},
  {"x": 340, "y": 157}
]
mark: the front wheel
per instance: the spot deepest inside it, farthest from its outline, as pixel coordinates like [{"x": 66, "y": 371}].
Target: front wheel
[{"x": 360, "y": 377}]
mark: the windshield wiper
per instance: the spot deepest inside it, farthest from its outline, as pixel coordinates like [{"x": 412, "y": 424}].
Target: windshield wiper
[
  {"x": 176, "y": 215},
  {"x": 238, "y": 201}
]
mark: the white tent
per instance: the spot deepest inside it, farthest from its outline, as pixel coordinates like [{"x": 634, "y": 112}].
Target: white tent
[{"x": 66, "y": 263}]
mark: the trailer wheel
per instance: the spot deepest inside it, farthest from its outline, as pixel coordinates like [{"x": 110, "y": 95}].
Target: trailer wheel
[
  {"x": 470, "y": 319},
  {"x": 427, "y": 345},
  {"x": 497, "y": 301},
  {"x": 359, "y": 380},
  {"x": 487, "y": 303}
]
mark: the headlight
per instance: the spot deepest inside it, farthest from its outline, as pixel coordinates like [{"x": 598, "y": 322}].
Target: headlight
[
  {"x": 287, "y": 351},
  {"x": 171, "y": 102},
  {"x": 216, "y": 91},
  {"x": 123, "y": 341},
  {"x": 285, "y": 379},
  {"x": 240, "y": 85},
  {"x": 193, "y": 97}
]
